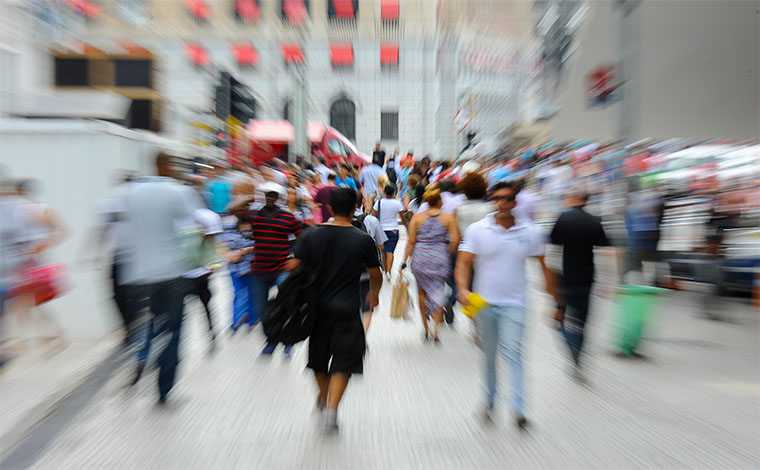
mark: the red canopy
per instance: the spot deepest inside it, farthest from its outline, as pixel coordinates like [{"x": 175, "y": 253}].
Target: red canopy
[
  {"x": 134, "y": 49},
  {"x": 295, "y": 10},
  {"x": 245, "y": 53},
  {"x": 389, "y": 54},
  {"x": 248, "y": 10},
  {"x": 197, "y": 54},
  {"x": 389, "y": 10},
  {"x": 292, "y": 53},
  {"x": 342, "y": 54},
  {"x": 344, "y": 8}
]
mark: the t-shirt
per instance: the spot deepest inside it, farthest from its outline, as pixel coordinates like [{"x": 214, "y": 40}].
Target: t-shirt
[
  {"x": 500, "y": 254},
  {"x": 340, "y": 255},
  {"x": 387, "y": 211},
  {"x": 368, "y": 177},
  {"x": 323, "y": 198},
  {"x": 219, "y": 196},
  {"x": 273, "y": 239},
  {"x": 578, "y": 232},
  {"x": 375, "y": 229},
  {"x": 345, "y": 183},
  {"x": 527, "y": 204}
]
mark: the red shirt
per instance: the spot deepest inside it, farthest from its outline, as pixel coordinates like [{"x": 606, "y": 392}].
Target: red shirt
[{"x": 273, "y": 238}]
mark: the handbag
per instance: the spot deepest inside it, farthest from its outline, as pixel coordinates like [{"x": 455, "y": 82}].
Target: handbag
[
  {"x": 43, "y": 282},
  {"x": 400, "y": 300}
]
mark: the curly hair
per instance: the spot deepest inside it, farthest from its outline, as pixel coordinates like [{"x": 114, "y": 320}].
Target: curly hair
[{"x": 474, "y": 186}]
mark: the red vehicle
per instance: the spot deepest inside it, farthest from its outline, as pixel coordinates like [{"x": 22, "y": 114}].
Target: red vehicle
[{"x": 270, "y": 139}]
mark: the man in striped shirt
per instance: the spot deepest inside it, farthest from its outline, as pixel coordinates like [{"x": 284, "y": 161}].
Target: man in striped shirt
[{"x": 274, "y": 231}]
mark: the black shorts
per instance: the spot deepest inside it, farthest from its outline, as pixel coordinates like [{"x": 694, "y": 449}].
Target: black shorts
[
  {"x": 363, "y": 292},
  {"x": 337, "y": 344}
]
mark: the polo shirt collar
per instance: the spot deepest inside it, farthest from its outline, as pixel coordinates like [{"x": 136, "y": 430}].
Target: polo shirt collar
[{"x": 493, "y": 225}]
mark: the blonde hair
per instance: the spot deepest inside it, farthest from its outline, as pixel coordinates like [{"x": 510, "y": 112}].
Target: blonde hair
[
  {"x": 432, "y": 196},
  {"x": 382, "y": 181}
]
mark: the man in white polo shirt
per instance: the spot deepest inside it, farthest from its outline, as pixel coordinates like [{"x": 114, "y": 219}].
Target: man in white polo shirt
[{"x": 491, "y": 262}]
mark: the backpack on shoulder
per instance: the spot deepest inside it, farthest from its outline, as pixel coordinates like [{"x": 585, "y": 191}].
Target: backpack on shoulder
[{"x": 294, "y": 311}]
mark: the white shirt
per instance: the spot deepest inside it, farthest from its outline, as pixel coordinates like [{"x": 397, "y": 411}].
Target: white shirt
[
  {"x": 388, "y": 212},
  {"x": 156, "y": 210},
  {"x": 471, "y": 212},
  {"x": 527, "y": 204},
  {"x": 375, "y": 230},
  {"x": 324, "y": 171},
  {"x": 500, "y": 254}
]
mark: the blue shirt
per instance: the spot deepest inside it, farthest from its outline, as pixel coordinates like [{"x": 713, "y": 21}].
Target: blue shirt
[
  {"x": 368, "y": 177},
  {"x": 218, "y": 196},
  {"x": 346, "y": 183}
]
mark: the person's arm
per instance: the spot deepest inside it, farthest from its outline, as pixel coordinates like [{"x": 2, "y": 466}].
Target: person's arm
[
  {"x": 238, "y": 207},
  {"x": 550, "y": 281},
  {"x": 412, "y": 239},
  {"x": 402, "y": 213},
  {"x": 454, "y": 235},
  {"x": 292, "y": 264},
  {"x": 463, "y": 275},
  {"x": 56, "y": 228}
]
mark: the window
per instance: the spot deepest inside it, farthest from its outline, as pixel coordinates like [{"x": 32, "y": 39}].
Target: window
[
  {"x": 389, "y": 126},
  {"x": 294, "y": 11},
  {"x": 342, "y": 9},
  {"x": 337, "y": 148},
  {"x": 343, "y": 117},
  {"x": 389, "y": 10},
  {"x": 71, "y": 72},
  {"x": 286, "y": 111},
  {"x": 133, "y": 73},
  {"x": 342, "y": 55},
  {"x": 389, "y": 54},
  {"x": 247, "y": 11}
]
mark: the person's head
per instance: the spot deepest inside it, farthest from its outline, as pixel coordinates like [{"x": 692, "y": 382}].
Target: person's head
[
  {"x": 474, "y": 186},
  {"x": 292, "y": 198},
  {"x": 576, "y": 198},
  {"x": 343, "y": 202},
  {"x": 447, "y": 186},
  {"x": 503, "y": 196},
  {"x": 164, "y": 164},
  {"x": 342, "y": 171},
  {"x": 293, "y": 181},
  {"x": 27, "y": 188},
  {"x": 331, "y": 179},
  {"x": 243, "y": 186},
  {"x": 271, "y": 193},
  {"x": 432, "y": 196},
  {"x": 413, "y": 180},
  {"x": 377, "y": 145},
  {"x": 316, "y": 178},
  {"x": 382, "y": 180},
  {"x": 389, "y": 190}
]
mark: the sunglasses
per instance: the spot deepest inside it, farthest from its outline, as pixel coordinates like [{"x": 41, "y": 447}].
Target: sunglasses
[{"x": 503, "y": 198}]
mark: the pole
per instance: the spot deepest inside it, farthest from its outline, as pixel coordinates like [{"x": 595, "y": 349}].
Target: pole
[
  {"x": 300, "y": 146},
  {"x": 627, "y": 51}
]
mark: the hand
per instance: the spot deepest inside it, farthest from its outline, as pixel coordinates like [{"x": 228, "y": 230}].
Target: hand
[
  {"x": 462, "y": 297},
  {"x": 373, "y": 300},
  {"x": 559, "y": 315},
  {"x": 234, "y": 257}
]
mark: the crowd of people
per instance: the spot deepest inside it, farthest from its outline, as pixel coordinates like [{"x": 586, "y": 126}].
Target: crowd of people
[{"x": 470, "y": 225}]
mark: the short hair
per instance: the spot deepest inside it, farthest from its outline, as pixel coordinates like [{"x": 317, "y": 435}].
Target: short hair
[
  {"x": 474, "y": 186},
  {"x": 331, "y": 177},
  {"x": 389, "y": 190},
  {"x": 505, "y": 185},
  {"x": 343, "y": 202},
  {"x": 447, "y": 186}
]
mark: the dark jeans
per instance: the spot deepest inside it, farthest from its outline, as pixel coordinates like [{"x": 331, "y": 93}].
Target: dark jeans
[
  {"x": 576, "y": 312},
  {"x": 121, "y": 296},
  {"x": 262, "y": 284},
  {"x": 166, "y": 300}
]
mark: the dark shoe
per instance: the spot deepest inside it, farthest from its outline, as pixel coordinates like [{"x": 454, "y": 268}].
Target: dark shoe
[
  {"x": 288, "y": 350},
  {"x": 268, "y": 349},
  {"x": 488, "y": 414},
  {"x": 448, "y": 314},
  {"x": 522, "y": 423},
  {"x": 162, "y": 400},
  {"x": 138, "y": 373}
]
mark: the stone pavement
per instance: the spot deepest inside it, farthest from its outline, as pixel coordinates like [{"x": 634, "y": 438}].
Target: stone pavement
[{"x": 695, "y": 403}]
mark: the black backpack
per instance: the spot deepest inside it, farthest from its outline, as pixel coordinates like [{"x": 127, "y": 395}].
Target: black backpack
[
  {"x": 294, "y": 311},
  {"x": 392, "y": 177},
  {"x": 358, "y": 222}
]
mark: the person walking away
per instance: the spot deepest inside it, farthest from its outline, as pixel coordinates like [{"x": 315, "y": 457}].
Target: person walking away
[
  {"x": 340, "y": 253},
  {"x": 237, "y": 239},
  {"x": 527, "y": 202},
  {"x": 323, "y": 197},
  {"x": 157, "y": 209},
  {"x": 577, "y": 232},
  {"x": 370, "y": 224},
  {"x": 219, "y": 191},
  {"x": 387, "y": 211},
  {"x": 369, "y": 174},
  {"x": 273, "y": 232},
  {"x": 322, "y": 170},
  {"x": 382, "y": 182},
  {"x": 492, "y": 255},
  {"x": 433, "y": 237}
]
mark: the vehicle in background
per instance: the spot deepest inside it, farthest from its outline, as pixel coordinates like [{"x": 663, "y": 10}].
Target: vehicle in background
[{"x": 270, "y": 139}]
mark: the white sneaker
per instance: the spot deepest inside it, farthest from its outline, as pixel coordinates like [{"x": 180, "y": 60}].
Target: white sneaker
[{"x": 330, "y": 422}]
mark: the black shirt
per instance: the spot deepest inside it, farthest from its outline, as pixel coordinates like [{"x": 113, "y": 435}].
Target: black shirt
[
  {"x": 340, "y": 255},
  {"x": 578, "y": 232},
  {"x": 378, "y": 156}
]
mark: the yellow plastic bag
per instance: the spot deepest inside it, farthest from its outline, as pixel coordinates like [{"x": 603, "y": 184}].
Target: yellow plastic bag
[
  {"x": 475, "y": 304},
  {"x": 400, "y": 300}
]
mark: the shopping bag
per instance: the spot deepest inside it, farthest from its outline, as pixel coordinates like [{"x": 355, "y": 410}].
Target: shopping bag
[
  {"x": 400, "y": 300},
  {"x": 475, "y": 304}
]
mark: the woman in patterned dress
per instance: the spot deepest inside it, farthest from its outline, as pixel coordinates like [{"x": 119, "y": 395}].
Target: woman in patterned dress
[{"x": 433, "y": 237}]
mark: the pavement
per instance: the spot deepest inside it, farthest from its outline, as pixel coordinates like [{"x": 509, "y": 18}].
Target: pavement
[{"x": 694, "y": 402}]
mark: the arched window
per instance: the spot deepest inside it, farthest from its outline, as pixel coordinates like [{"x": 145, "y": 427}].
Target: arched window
[
  {"x": 286, "y": 110},
  {"x": 343, "y": 117}
]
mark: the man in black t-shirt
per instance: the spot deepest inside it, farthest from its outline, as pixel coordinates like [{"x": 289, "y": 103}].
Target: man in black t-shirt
[
  {"x": 378, "y": 155},
  {"x": 578, "y": 232},
  {"x": 340, "y": 253}
]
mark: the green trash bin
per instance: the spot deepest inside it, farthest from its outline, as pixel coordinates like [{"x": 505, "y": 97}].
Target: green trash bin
[{"x": 636, "y": 306}]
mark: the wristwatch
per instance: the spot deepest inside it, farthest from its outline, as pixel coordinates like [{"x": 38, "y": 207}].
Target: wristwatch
[{"x": 403, "y": 265}]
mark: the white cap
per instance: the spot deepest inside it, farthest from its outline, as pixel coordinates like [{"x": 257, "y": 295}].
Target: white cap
[
  {"x": 470, "y": 167},
  {"x": 209, "y": 221},
  {"x": 270, "y": 187}
]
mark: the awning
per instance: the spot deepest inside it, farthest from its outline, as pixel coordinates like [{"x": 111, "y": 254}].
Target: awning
[
  {"x": 282, "y": 131},
  {"x": 389, "y": 54},
  {"x": 199, "y": 9},
  {"x": 87, "y": 8},
  {"x": 295, "y": 11},
  {"x": 389, "y": 10},
  {"x": 134, "y": 49},
  {"x": 292, "y": 53},
  {"x": 342, "y": 54},
  {"x": 245, "y": 53},
  {"x": 248, "y": 10},
  {"x": 344, "y": 9},
  {"x": 197, "y": 54}
]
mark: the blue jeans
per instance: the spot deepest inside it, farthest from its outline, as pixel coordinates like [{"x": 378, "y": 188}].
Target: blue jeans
[
  {"x": 262, "y": 284},
  {"x": 241, "y": 302},
  {"x": 574, "y": 326},
  {"x": 502, "y": 328}
]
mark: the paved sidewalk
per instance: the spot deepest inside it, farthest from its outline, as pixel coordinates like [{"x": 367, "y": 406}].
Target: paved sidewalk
[{"x": 694, "y": 404}]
